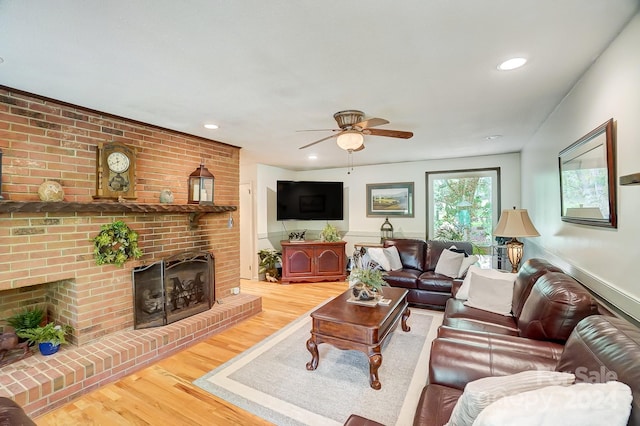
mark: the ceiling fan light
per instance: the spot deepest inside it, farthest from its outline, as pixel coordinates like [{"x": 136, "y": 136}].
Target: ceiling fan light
[{"x": 350, "y": 140}]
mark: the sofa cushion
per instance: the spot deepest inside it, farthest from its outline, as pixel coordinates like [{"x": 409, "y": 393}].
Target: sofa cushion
[
  {"x": 480, "y": 393},
  {"x": 457, "y": 315},
  {"x": 518, "y": 344},
  {"x": 603, "y": 348},
  {"x": 412, "y": 252},
  {"x": 434, "y": 282},
  {"x": 527, "y": 276},
  {"x": 435, "y": 405},
  {"x": 405, "y": 278},
  {"x": 476, "y": 271},
  {"x": 449, "y": 263},
  {"x": 435, "y": 248},
  {"x": 555, "y": 305},
  {"x": 490, "y": 294},
  {"x": 582, "y": 404}
]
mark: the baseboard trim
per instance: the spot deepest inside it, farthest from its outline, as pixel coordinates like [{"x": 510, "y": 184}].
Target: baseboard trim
[{"x": 619, "y": 301}]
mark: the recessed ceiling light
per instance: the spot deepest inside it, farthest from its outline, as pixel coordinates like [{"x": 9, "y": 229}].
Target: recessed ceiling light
[
  {"x": 312, "y": 157},
  {"x": 511, "y": 64},
  {"x": 211, "y": 126},
  {"x": 492, "y": 137}
]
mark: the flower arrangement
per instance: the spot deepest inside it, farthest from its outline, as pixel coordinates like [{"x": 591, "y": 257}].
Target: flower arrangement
[{"x": 115, "y": 244}]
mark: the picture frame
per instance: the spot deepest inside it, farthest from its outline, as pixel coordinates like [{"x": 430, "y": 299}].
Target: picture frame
[
  {"x": 588, "y": 179},
  {"x": 390, "y": 199}
]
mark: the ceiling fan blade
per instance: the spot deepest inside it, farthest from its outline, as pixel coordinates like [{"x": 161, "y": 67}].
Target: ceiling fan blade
[
  {"x": 371, "y": 122},
  {"x": 389, "y": 133},
  {"x": 319, "y": 130},
  {"x": 320, "y": 140}
]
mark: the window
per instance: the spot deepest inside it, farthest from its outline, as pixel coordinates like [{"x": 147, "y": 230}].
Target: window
[{"x": 463, "y": 205}]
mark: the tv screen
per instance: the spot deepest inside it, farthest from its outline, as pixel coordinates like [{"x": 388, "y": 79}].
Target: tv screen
[{"x": 307, "y": 200}]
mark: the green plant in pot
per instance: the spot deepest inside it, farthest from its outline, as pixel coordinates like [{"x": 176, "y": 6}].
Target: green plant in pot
[
  {"x": 29, "y": 317},
  {"x": 330, "y": 234},
  {"x": 368, "y": 283},
  {"x": 269, "y": 259},
  {"x": 48, "y": 337}
]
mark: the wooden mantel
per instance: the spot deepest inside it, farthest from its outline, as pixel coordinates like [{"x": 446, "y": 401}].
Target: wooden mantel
[{"x": 194, "y": 210}]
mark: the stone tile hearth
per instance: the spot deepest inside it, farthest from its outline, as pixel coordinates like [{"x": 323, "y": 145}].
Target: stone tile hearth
[{"x": 40, "y": 384}]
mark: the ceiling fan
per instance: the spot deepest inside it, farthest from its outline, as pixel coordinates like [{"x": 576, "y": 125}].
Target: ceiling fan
[{"x": 353, "y": 127}]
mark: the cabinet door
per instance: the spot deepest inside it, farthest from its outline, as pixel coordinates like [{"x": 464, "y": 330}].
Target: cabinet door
[
  {"x": 329, "y": 260},
  {"x": 299, "y": 261}
]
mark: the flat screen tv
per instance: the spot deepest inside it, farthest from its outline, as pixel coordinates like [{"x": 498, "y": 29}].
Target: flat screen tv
[{"x": 309, "y": 200}]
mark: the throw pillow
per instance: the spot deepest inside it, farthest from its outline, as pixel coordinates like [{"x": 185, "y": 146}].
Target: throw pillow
[
  {"x": 491, "y": 294},
  {"x": 591, "y": 404},
  {"x": 449, "y": 263},
  {"x": 480, "y": 393},
  {"x": 377, "y": 255},
  {"x": 466, "y": 263},
  {"x": 463, "y": 291},
  {"x": 393, "y": 257}
]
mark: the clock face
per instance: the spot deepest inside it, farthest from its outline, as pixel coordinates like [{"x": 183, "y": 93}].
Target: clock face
[{"x": 118, "y": 162}]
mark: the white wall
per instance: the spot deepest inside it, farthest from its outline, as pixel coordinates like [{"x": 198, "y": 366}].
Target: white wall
[
  {"x": 356, "y": 225},
  {"x": 609, "y": 89}
]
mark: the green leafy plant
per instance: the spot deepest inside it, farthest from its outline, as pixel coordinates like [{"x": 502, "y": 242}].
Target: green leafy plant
[
  {"x": 29, "y": 317},
  {"x": 52, "y": 333},
  {"x": 269, "y": 258},
  {"x": 372, "y": 278},
  {"x": 115, "y": 244},
  {"x": 330, "y": 234}
]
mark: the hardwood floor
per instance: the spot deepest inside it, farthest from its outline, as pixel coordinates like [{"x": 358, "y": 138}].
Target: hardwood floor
[{"x": 162, "y": 394}]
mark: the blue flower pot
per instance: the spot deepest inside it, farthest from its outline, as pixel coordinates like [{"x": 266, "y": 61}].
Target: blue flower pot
[{"x": 48, "y": 348}]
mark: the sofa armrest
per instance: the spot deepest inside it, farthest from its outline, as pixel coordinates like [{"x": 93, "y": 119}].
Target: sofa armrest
[
  {"x": 455, "y": 363},
  {"x": 435, "y": 405},
  {"x": 455, "y": 286}
]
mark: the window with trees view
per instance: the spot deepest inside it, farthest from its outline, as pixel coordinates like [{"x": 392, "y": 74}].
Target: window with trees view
[{"x": 463, "y": 205}]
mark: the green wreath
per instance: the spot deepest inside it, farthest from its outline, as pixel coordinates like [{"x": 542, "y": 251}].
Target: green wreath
[{"x": 115, "y": 244}]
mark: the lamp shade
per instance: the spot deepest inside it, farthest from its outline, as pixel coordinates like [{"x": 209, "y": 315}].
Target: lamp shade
[
  {"x": 515, "y": 223},
  {"x": 350, "y": 140}
]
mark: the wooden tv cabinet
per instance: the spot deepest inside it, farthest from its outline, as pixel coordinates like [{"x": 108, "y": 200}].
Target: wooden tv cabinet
[{"x": 313, "y": 261}]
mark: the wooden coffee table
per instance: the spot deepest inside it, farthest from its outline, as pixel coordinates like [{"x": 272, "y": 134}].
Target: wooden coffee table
[{"x": 364, "y": 328}]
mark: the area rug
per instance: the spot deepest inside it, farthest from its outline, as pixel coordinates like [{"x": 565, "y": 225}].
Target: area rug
[{"x": 271, "y": 381}]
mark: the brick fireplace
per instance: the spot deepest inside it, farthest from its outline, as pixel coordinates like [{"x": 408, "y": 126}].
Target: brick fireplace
[{"x": 46, "y": 255}]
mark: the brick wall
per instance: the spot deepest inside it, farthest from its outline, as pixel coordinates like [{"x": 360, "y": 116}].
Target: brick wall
[{"x": 42, "y": 139}]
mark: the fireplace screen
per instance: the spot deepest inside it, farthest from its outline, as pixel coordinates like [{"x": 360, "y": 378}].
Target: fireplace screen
[{"x": 173, "y": 289}]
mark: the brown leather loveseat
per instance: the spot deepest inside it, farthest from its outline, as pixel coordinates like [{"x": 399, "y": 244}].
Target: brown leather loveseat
[{"x": 419, "y": 259}]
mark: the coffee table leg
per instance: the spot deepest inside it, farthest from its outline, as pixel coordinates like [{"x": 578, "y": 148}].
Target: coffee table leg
[
  {"x": 405, "y": 316},
  {"x": 375, "y": 361},
  {"x": 313, "y": 348}
]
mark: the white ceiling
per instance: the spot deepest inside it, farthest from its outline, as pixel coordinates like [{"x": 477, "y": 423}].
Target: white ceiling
[{"x": 263, "y": 69}]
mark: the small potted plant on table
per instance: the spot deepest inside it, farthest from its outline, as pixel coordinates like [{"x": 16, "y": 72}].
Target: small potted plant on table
[{"x": 48, "y": 337}]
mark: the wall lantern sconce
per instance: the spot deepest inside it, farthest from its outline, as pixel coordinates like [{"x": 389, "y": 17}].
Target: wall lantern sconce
[
  {"x": 386, "y": 230},
  {"x": 201, "y": 186}
]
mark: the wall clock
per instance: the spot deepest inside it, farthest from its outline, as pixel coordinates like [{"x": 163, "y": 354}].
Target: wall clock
[{"x": 115, "y": 171}]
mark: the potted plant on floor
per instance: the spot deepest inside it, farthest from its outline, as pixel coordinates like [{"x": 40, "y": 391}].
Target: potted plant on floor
[
  {"x": 48, "y": 337},
  {"x": 269, "y": 259}
]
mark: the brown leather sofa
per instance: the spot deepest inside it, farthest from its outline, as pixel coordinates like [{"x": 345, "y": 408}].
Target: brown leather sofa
[
  {"x": 419, "y": 259},
  {"x": 555, "y": 325},
  {"x": 600, "y": 347},
  {"x": 12, "y": 414}
]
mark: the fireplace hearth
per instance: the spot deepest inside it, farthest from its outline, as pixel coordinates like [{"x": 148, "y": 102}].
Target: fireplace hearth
[{"x": 173, "y": 289}]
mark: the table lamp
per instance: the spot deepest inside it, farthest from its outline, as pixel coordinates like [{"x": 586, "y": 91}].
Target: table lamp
[{"x": 515, "y": 223}]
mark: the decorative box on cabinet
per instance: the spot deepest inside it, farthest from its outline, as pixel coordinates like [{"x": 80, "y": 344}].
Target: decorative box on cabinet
[{"x": 313, "y": 261}]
